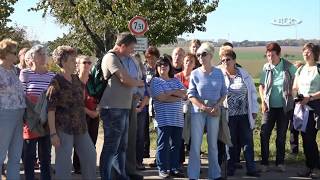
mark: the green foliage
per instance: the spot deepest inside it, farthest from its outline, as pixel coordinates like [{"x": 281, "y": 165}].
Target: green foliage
[
  {"x": 93, "y": 24},
  {"x": 6, "y": 10},
  {"x": 16, "y": 33}
]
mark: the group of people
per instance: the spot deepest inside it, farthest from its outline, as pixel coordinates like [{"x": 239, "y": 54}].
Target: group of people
[{"x": 185, "y": 95}]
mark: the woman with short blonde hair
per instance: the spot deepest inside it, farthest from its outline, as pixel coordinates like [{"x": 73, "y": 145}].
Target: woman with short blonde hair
[
  {"x": 12, "y": 107},
  {"x": 207, "y": 91}
]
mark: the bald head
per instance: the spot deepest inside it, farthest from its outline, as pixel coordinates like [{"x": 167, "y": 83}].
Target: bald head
[{"x": 177, "y": 57}]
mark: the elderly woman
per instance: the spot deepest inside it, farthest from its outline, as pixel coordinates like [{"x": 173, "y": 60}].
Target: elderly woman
[
  {"x": 167, "y": 93},
  {"x": 242, "y": 110},
  {"x": 307, "y": 83},
  {"x": 207, "y": 91},
  {"x": 67, "y": 117},
  {"x": 36, "y": 80},
  {"x": 189, "y": 63},
  {"x": 12, "y": 107},
  {"x": 84, "y": 65}
]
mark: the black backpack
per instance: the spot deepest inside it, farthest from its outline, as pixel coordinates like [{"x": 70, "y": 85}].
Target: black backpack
[{"x": 96, "y": 83}]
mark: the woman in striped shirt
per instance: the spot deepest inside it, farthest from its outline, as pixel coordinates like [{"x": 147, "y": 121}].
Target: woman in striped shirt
[
  {"x": 36, "y": 80},
  {"x": 168, "y": 92}
]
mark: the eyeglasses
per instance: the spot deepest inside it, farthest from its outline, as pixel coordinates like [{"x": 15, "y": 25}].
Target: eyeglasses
[
  {"x": 87, "y": 62},
  {"x": 225, "y": 60},
  {"x": 204, "y": 54}
]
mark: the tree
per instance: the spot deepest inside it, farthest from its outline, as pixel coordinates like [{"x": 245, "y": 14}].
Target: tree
[
  {"x": 14, "y": 32},
  {"x": 93, "y": 24},
  {"x": 6, "y": 10}
]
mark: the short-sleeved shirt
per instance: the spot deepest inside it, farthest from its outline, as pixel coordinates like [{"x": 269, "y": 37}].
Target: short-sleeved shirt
[
  {"x": 11, "y": 90},
  {"x": 116, "y": 94},
  {"x": 67, "y": 100},
  {"x": 308, "y": 80},
  {"x": 237, "y": 96},
  {"x": 277, "y": 85},
  {"x": 167, "y": 113}
]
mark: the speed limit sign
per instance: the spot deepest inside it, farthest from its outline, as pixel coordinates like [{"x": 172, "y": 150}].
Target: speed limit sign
[{"x": 138, "y": 25}]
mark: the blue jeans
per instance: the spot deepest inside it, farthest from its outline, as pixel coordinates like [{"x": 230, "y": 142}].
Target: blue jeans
[
  {"x": 241, "y": 136},
  {"x": 115, "y": 126},
  {"x": 44, "y": 152},
  {"x": 11, "y": 140},
  {"x": 142, "y": 119},
  {"x": 168, "y": 156},
  {"x": 198, "y": 122}
]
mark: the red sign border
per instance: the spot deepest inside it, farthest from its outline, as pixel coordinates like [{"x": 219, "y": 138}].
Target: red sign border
[{"x": 144, "y": 30}]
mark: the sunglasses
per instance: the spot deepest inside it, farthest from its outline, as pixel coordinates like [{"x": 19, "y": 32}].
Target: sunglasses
[
  {"x": 226, "y": 60},
  {"x": 204, "y": 54},
  {"x": 87, "y": 62}
]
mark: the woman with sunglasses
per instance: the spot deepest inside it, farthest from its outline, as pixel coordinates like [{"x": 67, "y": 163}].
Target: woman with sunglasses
[
  {"x": 168, "y": 93},
  {"x": 12, "y": 107},
  {"x": 207, "y": 91},
  {"x": 242, "y": 111},
  {"x": 84, "y": 64}
]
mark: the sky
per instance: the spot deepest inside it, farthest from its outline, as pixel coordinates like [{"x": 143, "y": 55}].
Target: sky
[{"x": 234, "y": 20}]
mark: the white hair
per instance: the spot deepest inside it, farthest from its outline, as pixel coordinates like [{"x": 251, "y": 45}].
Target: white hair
[{"x": 34, "y": 50}]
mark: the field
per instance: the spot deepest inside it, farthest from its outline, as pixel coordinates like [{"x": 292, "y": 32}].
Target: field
[{"x": 252, "y": 58}]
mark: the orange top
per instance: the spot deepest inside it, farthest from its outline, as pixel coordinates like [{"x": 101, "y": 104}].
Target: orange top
[{"x": 183, "y": 79}]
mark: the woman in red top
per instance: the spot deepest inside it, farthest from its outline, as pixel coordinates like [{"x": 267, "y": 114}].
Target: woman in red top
[
  {"x": 92, "y": 116},
  {"x": 189, "y": 63}
]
